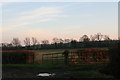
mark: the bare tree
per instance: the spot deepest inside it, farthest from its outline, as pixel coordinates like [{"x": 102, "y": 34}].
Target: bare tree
[
  {"x": 55, "y": 40},
  {"x": 61, "y": 40},
  {"x": 10, "y": 45},
  {"x": 98, "y": 36},
  {"x": 6, "y": 45},
  {"x": 27, "y": 41},
  {"x": 85, "y": 38},
  {"x": 106, "y": 37},
  {"x": 45, "y": 42},
  {"x": 34, "y": 41},
  {"x": 16, "y": 42},
  {"x": 92, "y": 38},
  {"x": 67, "y": 41}
]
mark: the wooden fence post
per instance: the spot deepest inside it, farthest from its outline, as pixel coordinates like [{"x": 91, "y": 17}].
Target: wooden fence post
[{"x": 66, "y": 53}]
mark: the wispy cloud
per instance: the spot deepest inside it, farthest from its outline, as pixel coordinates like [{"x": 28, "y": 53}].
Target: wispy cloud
[
  {"x": 6, "y": 28},
  {"x": 41, "y": 13},
  {"x": 13, "y": 26}
]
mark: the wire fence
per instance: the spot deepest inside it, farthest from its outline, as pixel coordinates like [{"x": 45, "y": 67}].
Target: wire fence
[
  {"x": 83, "y": 56},
  {"x": 53, "y": 58}
]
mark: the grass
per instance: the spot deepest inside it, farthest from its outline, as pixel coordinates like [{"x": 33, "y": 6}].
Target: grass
[
  {"x": 82, "y": 71},
  {"x": 30, "y": 65},
  {"x": 38, "y": 55},
  {"x": 61, "y": 50},
  {"x": 89, "y": 74},
  {"x": 70, "y": 67}
]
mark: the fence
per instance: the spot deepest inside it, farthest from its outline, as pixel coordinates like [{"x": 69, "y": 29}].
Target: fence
[
  {"x": 17, "y": 57},
  {"x": 86, "y": 56},
  {"x": 53, "y": 58},
  {"x": 83, "y": 56}
]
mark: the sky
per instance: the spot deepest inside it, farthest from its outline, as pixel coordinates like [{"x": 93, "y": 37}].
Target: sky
[{"x": 46, "y": 20}]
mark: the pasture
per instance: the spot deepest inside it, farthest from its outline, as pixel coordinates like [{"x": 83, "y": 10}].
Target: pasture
[
  {"x": 61, "y": 70},
  {"x": 38, "y": 53},
  {"x": 75, "y": 56}
]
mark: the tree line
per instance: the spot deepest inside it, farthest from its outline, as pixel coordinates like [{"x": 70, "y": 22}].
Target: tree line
[{"x": 84, "y": 41}]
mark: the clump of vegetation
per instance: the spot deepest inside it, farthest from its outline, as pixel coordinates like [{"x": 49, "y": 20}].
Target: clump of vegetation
[
  {"x": 113, "y": 68},
  {"x": 17, "y": 56}
]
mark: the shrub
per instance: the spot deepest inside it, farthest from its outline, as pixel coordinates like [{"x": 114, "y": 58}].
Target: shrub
[
  {"x": 113, "y": 68},
  {"x": 16, "y": 56}
]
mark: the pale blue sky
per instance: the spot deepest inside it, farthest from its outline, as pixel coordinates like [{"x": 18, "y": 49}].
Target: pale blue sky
[{"x": 46, "y": 20}]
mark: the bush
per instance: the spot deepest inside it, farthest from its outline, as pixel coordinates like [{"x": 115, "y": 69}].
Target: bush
[
  {"x": 16, "y": 56},
  {"x": 113, "y": 68}
]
